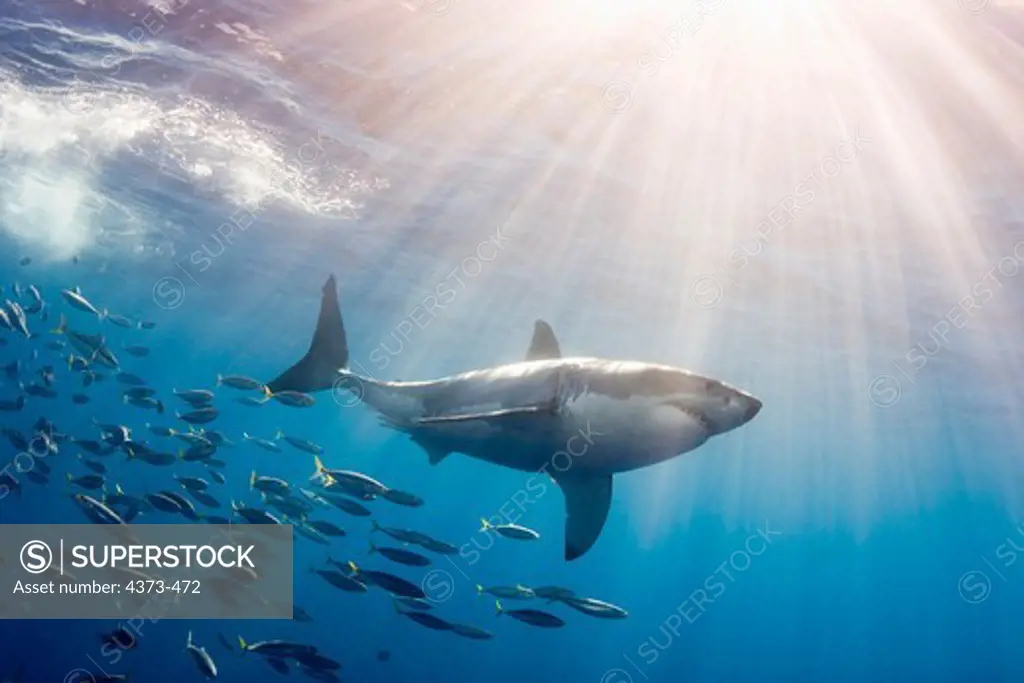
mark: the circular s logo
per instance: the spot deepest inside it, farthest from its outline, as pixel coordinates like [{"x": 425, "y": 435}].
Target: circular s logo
[
  {"x": 168, "y": 293},
  {"x": 974, "y": 587},
  {"x": 884, "y": 391},
  {"x": 438, "y": 585},
  {"x": 36, "y": 557}
]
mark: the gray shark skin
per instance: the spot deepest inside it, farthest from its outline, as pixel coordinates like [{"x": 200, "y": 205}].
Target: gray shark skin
[{"x": 580, "y": 420}]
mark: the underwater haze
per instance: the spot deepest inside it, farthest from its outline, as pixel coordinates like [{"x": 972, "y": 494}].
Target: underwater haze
[{"x": 815, "y": 201}]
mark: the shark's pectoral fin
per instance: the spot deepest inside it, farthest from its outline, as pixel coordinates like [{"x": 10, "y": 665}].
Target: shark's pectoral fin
[
  {"x": 587, "y": 500},
  {"x": 501, "y": 416},
  {"x": 328, "y": 352},
  {"x": 434, "y": 454},
  {"x": 544, "y": 345}
]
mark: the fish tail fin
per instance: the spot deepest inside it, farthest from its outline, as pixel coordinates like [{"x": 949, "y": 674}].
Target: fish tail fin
[
  {"x": 69, "y": 478},
  {"x": 246, "y": 436},
  {"x": 252, "y": 480},
  {"x": 375, "y": 526},
  {"x": 279, "y": 434},
  {"x": 484, "y": 524},
  {"x": 353, "y": 566},
  {"x": 242, "y": 645},
  {"x": 188, "y": 640},
  {"x": 372, "y": 549},
  {"x": 62, "y": 325},
  {"x": 160, "y": 407},
  {"x": 497, "y": 607},
  {"x": 220, "y": 379},
  {"x": 479, "y": 589},
  {"x": 103, "y": 314},
  {"x": 328, "y": 352}
]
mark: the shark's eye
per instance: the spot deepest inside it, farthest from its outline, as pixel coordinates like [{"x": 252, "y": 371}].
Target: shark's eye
[{"x": 718, "y": 391}]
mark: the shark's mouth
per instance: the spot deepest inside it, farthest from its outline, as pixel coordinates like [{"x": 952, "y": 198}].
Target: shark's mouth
[{"x": 706, "y": 424}]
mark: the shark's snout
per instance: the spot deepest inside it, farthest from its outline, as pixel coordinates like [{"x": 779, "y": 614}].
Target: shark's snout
[{"x": 753, "y": 408}]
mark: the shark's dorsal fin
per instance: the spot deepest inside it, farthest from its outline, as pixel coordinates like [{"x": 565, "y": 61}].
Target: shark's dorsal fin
[
  {"x": 587, "y": 500},
  {"x": 318, "y": 369},
  {"x": 544, "y": 345}
]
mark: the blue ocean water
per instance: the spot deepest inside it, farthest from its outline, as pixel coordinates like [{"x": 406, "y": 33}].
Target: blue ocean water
[{"x": 817, "y": 202}]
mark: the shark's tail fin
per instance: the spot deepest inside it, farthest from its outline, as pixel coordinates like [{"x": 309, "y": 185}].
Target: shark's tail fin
[{"x": 327, "y": 354}]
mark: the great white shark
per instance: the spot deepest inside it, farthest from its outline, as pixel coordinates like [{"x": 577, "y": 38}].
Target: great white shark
[{"x": 611, "y": 415}]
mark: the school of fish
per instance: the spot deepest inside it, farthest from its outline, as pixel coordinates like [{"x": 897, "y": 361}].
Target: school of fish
[{"x": 70, "y": 355}]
